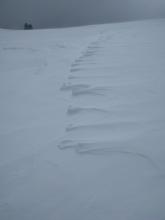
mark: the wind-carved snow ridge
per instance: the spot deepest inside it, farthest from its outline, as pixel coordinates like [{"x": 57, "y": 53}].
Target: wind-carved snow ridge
[
  {"x": 78, "y": 110},
  {"x": 97, "y": 138},
  {"x": 78, "y": 91},
  {"x": 71, "y": 87},
  {"x": 106, "y": 149}
]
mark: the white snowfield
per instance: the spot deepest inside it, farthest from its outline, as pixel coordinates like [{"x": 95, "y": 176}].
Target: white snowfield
[{"x": 82, "y": 123}]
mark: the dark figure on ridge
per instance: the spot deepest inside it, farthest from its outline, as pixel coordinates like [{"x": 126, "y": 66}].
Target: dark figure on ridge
[{"x": 28, "y": 26}]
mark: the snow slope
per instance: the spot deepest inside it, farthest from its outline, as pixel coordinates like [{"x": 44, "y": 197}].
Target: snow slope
[{"x": 82, "y": 132}]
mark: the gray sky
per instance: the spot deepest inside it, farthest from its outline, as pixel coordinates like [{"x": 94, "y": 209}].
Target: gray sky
[{"x": 62, "y": 13}]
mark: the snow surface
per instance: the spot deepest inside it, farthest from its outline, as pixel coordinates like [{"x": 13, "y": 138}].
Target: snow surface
[{"x": 82, "y": 132}]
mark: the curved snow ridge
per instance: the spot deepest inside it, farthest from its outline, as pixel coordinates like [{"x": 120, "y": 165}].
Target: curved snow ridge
[
  {"x": 69, "y": 86},
  {"x": 90, "y": 76},
  {"x": 117, "y": 83},
  {"x": 123, "y": 131},
  {"x": 84, "y": 145},
  {"x": 106, "y": 149},
  {"x": 84, "y": 89},
  {"x": 76, "y": 69},
  {"x": 87, "y": 115},
  {"x": 78, "y": 110},
  {"x": 86, "y": 70},
  {"x": 97, "y": 90},
  {"x": 116, "y": 114},
  {"x": 81, "y": 63},
  {"x": 124, "y": 126},
  {"x": 94, "y": 47},
  {"x": 122, "y": 152}
]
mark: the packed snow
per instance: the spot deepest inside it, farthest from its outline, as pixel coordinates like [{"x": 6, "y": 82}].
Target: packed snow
[{"x": 82, "y": 132}]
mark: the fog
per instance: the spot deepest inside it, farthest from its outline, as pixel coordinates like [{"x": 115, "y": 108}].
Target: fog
[{"x": 62, "y": 13}]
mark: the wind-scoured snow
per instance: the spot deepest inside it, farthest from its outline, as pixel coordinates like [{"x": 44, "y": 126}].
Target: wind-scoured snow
[{"x": 82, "y": 132}]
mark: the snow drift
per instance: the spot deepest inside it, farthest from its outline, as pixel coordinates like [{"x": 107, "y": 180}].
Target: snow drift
[{"x": 82, "y": 133}]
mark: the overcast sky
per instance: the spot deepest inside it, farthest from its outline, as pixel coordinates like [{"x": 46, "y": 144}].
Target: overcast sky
[{"x": 62, "y": 13}]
